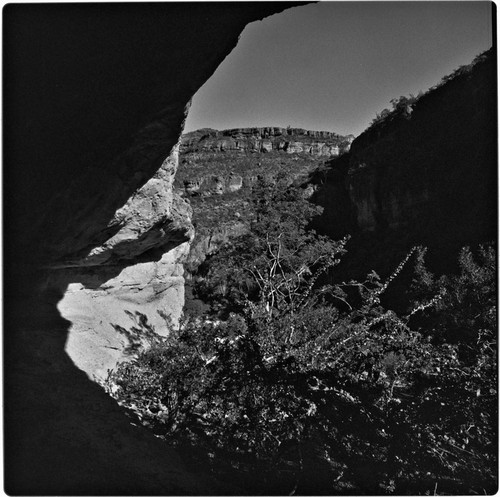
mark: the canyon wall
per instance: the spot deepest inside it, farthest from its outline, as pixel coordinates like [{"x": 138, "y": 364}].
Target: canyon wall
[
  {"x": 427, "y": 174},
  {"x": 218, "y": 169},
  {"x": 289, "y": 140},
  {"x": 95, "y": 96}
]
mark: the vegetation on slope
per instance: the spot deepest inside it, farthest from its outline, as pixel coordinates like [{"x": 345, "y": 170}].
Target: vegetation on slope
[
  {"x": 403, "y": 106},
  {"x": 250, "y": 167},
  {"x": 296, "y": 385},
  {"x": 221, "y": 214},
  {"x": 297, "y": 380}
]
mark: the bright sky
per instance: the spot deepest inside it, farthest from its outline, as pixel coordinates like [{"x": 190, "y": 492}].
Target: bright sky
[{"x": 333, "y": 65}]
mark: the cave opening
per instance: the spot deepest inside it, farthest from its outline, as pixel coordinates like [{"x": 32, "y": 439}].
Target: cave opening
[{"x": 99, "y": 235}]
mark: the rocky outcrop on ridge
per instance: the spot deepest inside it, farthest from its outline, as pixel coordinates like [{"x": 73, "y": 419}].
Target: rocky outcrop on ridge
[
  {"x": 215, "y": 162},
  {"x": 288, "y": 140}
]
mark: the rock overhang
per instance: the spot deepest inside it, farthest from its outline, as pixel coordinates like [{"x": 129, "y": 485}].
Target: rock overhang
[
  {"x": 95, "y": 100},
  {"x": 95, "y": 96}
]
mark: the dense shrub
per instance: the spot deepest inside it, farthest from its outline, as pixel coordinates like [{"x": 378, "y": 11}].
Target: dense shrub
[
  {"x": 274, "y": 263},
  {"x": 319, "y": 389}
]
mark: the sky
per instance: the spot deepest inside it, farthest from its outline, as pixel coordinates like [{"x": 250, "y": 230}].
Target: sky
[{"x": 332, "y": 66}]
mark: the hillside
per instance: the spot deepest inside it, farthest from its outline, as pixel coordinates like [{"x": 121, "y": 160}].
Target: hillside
[
  {"x": 218, "y": 168},
  {"x": 423, "y": 173}
]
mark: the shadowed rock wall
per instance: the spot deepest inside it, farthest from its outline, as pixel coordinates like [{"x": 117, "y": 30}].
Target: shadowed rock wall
[
  {"x": 427, "y": 175},
  {"x": 95, "y": 96}
]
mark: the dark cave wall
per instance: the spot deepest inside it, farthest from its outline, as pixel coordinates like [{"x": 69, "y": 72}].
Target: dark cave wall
[{"x": 94, "y": 100}]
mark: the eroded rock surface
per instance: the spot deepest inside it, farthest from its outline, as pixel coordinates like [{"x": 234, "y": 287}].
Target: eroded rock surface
[
  {"x": 111, "y": 308},
  {"x": 288, "y": 140},
  {"x": 154, "y": 217},
  {"x": 137, "y": 271}
]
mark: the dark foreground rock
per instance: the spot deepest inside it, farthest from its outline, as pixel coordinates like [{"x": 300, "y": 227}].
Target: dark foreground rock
[{"x": 95, "y": 99}]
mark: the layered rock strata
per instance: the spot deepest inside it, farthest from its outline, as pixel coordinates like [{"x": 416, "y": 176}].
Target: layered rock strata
[{"x": 288, "y": 140}]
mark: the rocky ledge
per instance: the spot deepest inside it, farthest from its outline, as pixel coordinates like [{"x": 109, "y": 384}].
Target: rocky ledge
[
  {"x": 288, "y": 140},
  {"x": 215, "y": 162}
]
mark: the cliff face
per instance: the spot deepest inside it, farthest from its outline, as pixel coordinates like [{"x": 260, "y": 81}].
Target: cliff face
[
  {"x": 95, "y": 99},
  {"x": 218, "y": 169},
  {"x": 216, "y": 162},
  {"x": 289, "y": 140},
  {"x": 426, "y": 174},
  {"x": 138, "y": 268}
]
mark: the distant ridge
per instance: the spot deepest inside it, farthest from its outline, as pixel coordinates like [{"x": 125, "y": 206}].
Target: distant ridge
[{"x": 266, "y": 139}]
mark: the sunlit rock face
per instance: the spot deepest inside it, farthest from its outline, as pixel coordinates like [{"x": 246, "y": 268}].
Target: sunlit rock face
[
  {"x": 136, "y": 271},
  {"x": 153, "y": 217},
  {"x": 105, "y": 307},
  {"x": 95, "y": 100},
  {"x": 289, "y": 140}
]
